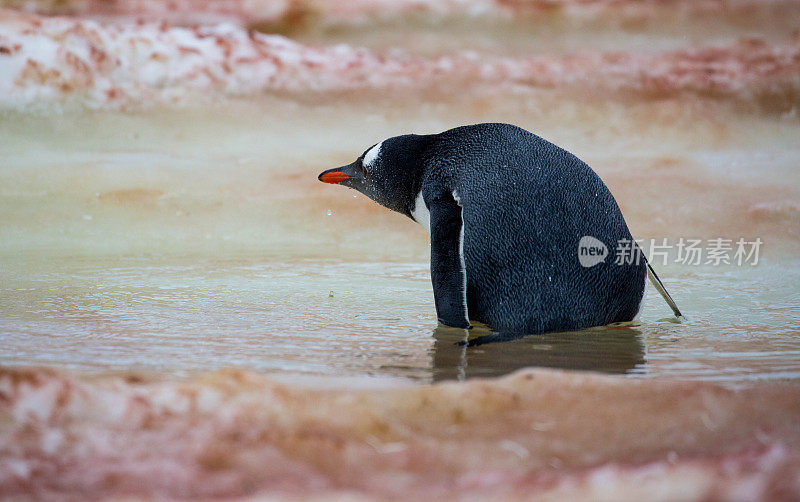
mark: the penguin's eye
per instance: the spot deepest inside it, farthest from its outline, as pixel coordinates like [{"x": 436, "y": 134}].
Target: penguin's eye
[{"x": 364, "y": 168}]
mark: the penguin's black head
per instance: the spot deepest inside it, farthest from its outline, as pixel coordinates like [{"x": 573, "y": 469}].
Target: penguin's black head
[{"x": 388, "y": 172}]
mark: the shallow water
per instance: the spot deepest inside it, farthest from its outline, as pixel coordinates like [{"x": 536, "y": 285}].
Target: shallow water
[
  {"x": 150, "y": 314},
  {"x": 200, "y": 240}
]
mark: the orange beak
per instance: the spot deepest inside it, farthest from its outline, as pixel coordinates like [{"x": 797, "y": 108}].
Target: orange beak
[{"x": 334, "y": 177}]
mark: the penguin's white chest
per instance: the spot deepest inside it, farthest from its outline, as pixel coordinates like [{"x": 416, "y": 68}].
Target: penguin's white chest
[{"x": 420, "y": 213}]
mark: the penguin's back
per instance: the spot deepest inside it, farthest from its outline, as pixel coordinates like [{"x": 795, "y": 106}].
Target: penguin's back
[{"x": 526, "y": 204}]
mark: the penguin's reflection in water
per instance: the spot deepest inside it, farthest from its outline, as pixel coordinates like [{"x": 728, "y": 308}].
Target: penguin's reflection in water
[{"x": 459, "y": 354}]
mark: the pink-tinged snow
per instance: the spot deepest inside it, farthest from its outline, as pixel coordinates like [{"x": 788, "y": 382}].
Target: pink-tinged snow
[
  {"x": 352, "y": 12},
  {"x": 535, "y": 434},
  {"x": 44, "y": 61}
]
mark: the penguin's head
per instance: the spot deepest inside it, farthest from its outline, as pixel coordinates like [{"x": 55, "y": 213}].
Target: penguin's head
[{"x": 387, "y": 172}]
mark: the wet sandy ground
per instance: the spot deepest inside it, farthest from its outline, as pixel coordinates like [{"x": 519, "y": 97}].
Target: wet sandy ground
[
  {"x": 185, "y": 311},
  {"x": 131, "y": 241}
]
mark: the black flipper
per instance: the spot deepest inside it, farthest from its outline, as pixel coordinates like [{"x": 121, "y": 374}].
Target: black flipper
[{"x": 448, "y": 271}]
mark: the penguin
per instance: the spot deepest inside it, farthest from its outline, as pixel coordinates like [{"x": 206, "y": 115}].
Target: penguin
[{"x": 521, "y": 231}]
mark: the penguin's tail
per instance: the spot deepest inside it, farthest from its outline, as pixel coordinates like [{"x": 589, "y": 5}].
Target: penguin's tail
[{"x": 661, "y": 289}]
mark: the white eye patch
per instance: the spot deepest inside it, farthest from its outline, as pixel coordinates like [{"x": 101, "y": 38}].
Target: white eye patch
[{"x": 372, "y": 154}]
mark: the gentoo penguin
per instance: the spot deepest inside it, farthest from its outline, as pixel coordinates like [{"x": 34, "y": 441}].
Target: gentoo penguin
[{"x": 509, "y": 216}]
